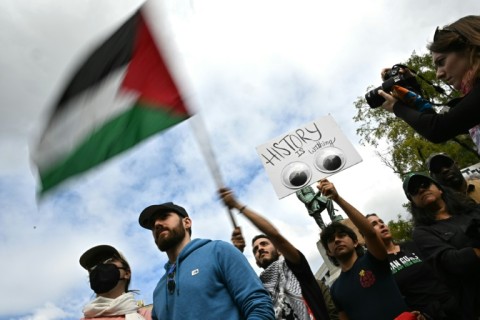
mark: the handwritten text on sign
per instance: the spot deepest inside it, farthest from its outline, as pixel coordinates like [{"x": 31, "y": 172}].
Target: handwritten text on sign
[{"x": 307, "y": 154}]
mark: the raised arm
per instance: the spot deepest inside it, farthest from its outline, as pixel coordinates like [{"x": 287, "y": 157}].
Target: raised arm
[
  {"x": 374, "y": 243},
  {"x": 289, "y": 252},
  {"x": 237, "y": 239}
]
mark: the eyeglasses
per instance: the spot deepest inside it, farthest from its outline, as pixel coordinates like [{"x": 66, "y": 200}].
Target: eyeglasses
[
  {"x": 415, "y": 187},
  {"x": 171, "y": 279},
  {"x": 439, "y": 31}
]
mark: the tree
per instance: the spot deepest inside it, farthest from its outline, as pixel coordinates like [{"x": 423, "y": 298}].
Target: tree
[
  {"x": 406, "y": 150},
  {"x": 401, "y": 229}
]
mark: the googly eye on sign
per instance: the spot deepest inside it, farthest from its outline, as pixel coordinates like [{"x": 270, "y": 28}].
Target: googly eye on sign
[
  {"x": 329, "y": 159},
  {"x": 296, "y": 175},
  {"x": 306, "y": 154}
]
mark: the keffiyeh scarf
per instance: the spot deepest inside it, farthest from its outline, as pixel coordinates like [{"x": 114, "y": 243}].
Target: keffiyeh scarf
[
  {"x": 285, "y": 291},
  {"x": 106, "y": 307}
]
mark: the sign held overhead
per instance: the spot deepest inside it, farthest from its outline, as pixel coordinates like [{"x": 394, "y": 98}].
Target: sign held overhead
[{"x": 306, "y": 154}]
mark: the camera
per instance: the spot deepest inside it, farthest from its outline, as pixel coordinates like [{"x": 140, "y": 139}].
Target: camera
[{"x": 392, "y": 77}]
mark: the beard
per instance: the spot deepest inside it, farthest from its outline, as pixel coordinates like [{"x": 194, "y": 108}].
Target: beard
[
  {"x": 452, "y": 179},
  {"x": 456, "y": 181},
  {"x": 345, "y": 255},
  {"x": 173, "y": 238},
  {"x": 264, "y": 263}
]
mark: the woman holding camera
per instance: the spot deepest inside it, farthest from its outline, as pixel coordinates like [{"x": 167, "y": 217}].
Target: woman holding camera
[
  {"x": 456, "y": 54},
  {"x": 447, "y": 233}
]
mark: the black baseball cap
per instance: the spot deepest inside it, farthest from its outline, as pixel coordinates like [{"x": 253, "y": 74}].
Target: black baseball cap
[
  {"x": 98, "y": 254},
  {"x": 147, "y": 215},
  {"x": 438, "y": 160}
]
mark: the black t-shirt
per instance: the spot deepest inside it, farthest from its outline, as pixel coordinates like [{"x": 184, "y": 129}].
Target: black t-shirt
[
  {"x": 368, "y": 291},
  {"x": 446, "y": 244},
  {"x": 419, "y": 285}
]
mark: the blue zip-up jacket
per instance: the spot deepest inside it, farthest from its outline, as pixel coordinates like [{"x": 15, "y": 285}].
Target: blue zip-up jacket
[{"x": 213, "y": 280}]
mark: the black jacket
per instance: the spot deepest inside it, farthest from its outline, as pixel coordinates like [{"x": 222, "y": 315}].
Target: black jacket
[{"x": 447, "y": 247}]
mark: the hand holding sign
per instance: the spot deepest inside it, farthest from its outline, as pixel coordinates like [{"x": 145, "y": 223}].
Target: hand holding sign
[{"x": 328, "y": 189}]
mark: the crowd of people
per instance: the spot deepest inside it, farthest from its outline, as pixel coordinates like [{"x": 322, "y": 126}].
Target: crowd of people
[{"x": 433, "y": 276}]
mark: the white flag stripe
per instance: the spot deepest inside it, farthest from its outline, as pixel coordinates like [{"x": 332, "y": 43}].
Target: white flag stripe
[{"x": 81, "y": 117}]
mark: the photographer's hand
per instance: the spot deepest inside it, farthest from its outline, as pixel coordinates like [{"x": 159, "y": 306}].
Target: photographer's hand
[
  {"x": 389, "y": 100},
  {"x": 384, "y": 72},
  {"x": 405, "y": 71}
]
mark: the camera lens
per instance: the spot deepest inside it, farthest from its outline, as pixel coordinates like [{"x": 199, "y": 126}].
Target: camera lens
[{"x": 374, "y": 100}]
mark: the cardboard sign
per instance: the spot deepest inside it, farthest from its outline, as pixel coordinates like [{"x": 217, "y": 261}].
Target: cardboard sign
[
  {"x": 471, "y": 172},
  {"x": 307, "y": 154}
]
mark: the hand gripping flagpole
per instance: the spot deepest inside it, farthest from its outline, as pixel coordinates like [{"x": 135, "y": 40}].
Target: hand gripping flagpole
[{"x": 201, "y": 134}]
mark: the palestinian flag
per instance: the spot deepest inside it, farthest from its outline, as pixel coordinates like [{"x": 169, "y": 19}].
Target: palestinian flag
[{"x": 123, "y": 93}]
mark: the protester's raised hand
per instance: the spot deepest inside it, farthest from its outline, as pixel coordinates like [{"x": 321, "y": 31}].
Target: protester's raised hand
[
  {"x": 327, "y": 189},
  {"x": 228, "y": 198},
  {"x": 237, "y": 239}
]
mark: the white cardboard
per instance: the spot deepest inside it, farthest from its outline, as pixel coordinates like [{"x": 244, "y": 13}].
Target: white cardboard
[{"x": 306, "y": 154}]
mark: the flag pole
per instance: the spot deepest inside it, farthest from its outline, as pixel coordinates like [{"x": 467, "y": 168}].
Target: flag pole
[{"x": 205, "y": 146}]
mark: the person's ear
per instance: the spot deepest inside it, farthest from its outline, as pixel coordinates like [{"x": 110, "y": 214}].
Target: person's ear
[
  {"x": 187, "y": 222},
  {"x": 355, "y": 244}
]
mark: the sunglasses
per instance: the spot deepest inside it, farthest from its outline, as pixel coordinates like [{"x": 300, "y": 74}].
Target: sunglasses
[
  {"x": 414, "y": 188},
  {"x": 439, "y": 31},
  {"x": 109, "y": 261},
  {"x": 171, "y": 279}
]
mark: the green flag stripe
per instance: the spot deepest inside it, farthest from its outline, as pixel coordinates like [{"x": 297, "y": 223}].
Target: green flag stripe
[{"x": 112, "y": 138}]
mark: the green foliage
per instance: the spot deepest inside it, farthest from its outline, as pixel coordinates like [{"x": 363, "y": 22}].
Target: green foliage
[
  {"x": 401, "y": 229},
  {"x": 405, "y": 149}
]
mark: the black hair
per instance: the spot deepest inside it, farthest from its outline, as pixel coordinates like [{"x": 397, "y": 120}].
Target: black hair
[
  {"x": 259, "y": 236},
  {"x": 457, "y": 204},
  {"x": 337, "y": 227},
  {"x": 367, "y": 216},
  {"x": 126, "y": 267}
]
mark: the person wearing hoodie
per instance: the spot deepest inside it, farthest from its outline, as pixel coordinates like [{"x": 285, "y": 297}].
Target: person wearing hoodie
[
  {"x": 110, "y": 276},
  {"x": 204, "y": 279}
]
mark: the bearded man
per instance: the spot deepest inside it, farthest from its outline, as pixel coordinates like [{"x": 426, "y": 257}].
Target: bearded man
[
  {"x": 204, "y": 279},
  {"x": 445, "y": 171}
]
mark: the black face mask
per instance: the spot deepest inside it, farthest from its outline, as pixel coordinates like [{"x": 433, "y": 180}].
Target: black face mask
[{"x": 104, "y": 278}]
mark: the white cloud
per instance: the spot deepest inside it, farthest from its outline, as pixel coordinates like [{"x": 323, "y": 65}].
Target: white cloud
[
  {"x": 255, "y": 70},
  {"x": 48, "y": 312}
]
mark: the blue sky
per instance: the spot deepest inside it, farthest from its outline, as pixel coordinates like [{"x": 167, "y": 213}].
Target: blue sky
[{"x": 254, "y": 70}]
